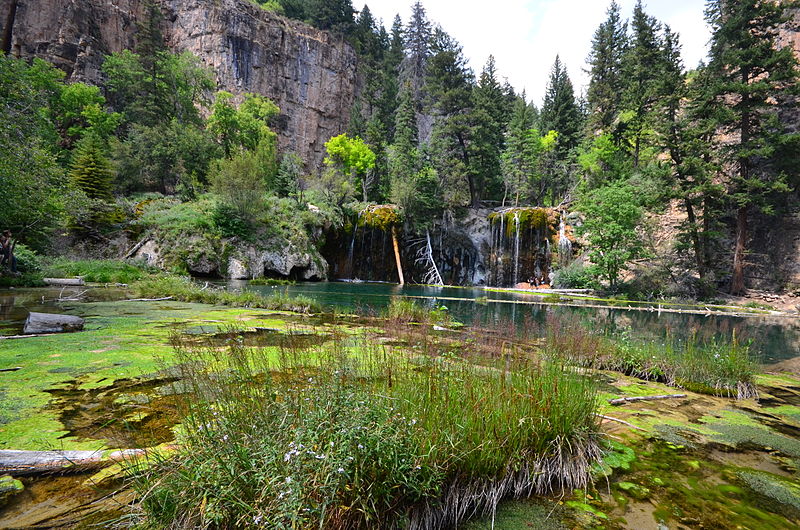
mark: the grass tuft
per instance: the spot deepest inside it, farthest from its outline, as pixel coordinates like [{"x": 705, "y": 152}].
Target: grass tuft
[{"x": 183, "y": 289}]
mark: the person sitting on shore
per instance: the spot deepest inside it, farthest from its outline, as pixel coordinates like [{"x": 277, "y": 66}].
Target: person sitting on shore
[{"x": 7, "y": 258}]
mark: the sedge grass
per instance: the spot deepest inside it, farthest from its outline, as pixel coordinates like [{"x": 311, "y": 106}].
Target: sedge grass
[
  {"x": 183, "y": 289},
  {"x": 352, "y": 434}
]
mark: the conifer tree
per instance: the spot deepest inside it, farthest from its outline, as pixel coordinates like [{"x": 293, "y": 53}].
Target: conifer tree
[
  {"x": 751, "y": 78},
  {"x": 560, "y": 111},
  {"x": 91, "y": 170},
  {"x": 489, "y": 108},
  {"x": 642, "y": 67},
  {"x": 417, "y": 43},
  {"x": 684, "y": 130},
  {"x": 449, "y": 88},
  {"x": 605, "y": 70}
]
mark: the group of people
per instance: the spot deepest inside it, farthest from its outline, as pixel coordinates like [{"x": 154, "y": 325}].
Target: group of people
[{"x": 7, "y": 259}]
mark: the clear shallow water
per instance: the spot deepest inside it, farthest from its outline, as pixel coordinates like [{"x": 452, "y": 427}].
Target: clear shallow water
[{"x": 773, "y": 338}]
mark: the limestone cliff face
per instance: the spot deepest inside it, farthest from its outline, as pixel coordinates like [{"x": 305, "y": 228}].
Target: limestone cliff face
[{"x": 310, "y": 74}]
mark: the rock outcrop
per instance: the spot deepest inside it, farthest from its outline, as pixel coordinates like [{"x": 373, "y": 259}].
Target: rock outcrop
[{"x": 309, "y": 73}]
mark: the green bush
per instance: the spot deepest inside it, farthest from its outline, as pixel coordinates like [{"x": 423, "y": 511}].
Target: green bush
[
  {"x": 230, "y": 223},
  {"x": 28, "y": 261},
  {"x": 575, "y": 276}
]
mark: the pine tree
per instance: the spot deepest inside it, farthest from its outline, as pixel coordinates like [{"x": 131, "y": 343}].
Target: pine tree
[
  {"x": 515, "y": 162},
  {"x": 684, "y": 130},
  {"x": 91, "y": 170},
  {"x": 642, "y": 67},
  {"x": 560, "y": 111},
  {"x": 331, "y": 15},
  {"x": 417, "y": 44},
  {"x": 751, "y": 78},
  {"x": 449, "y": 89},
  {"x": 605, "y": 62},
  {"x": 489, "y": 109}
]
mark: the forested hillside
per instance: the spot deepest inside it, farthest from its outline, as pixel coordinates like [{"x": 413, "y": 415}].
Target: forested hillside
[{"x": 228, "y": 162}]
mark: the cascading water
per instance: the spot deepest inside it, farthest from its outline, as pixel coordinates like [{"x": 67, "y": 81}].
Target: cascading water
[
  {"x": 522, "y": 242},
  {"x": 564, "y": 244},
  {"x": 516, "y": 248},
  {"x": 350, "y": 252}
]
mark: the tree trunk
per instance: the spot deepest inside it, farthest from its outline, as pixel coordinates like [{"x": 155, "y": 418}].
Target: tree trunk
[
  {"x": 397, "y": 256},
  {"x": 737, "y": 281},
  {"x": 696, "y": 243}
]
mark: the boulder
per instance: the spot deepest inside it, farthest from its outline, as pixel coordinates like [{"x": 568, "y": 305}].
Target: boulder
[{"x": 51, "y": 323}]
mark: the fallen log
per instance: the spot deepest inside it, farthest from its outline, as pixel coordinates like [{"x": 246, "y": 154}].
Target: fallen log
[
  {"x": 147, "y": 299},
  {"x": 21, "y": 463},
  {"x": 4, "y": 337},
  {"x": 622, "y": 401},
  {"x": 136, "y": 247},
  {"x": 11, "y": 369},
  {"x": 63, "y": 281}
]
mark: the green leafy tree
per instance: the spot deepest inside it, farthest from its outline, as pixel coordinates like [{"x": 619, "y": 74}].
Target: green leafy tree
[
  {"x": 612, "y": 216},
  {"x": 605, "y": 71},
  {"x": 168, "y": 158},
  {"x": 151, "y": 89},
  {"x": 32, "y": 184},
  {"x": 353, "y": 158},
  {"x": 80, "y": 111},
  {"x": 751, "y": 77}
]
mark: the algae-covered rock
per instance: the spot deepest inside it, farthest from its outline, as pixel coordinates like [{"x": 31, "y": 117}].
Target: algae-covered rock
[
  {"x": 776, "y": 488},
  {"x": 634, "y": 490},
  {"x": 9, "y": 486}
]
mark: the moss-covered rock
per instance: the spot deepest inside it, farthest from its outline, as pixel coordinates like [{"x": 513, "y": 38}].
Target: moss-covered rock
[{"x": 9, "y": 486}]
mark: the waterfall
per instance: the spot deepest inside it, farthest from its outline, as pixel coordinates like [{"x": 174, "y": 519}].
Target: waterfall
[
  {"x": 350, "y": 252},
  {"x": 516, "y": 247},
  {"x": 564, "y": 244}
]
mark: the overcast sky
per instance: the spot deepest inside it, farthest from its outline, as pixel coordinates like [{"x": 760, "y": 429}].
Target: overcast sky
[{"x": 525, "y": 35}]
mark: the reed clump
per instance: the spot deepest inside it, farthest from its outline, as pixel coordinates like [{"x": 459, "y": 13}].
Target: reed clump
[
  {"x": 183, "y": 289},
  {"x": 717, "y": 367},
  {"x": 351, "y": 434}
]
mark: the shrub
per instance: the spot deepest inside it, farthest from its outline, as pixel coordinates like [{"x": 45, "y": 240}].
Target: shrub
[
  {"x": 575, "y": 276},
  {"x": 28, "y": 261}
]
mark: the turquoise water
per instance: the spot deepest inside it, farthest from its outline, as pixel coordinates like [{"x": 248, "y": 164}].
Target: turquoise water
[{"x": 773, "y": 338}]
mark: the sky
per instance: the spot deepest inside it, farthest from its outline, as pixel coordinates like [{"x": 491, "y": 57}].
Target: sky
[{"x": 525, "y": 35}]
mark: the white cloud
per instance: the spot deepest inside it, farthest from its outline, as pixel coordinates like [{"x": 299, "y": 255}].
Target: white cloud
[{"x": 525, "y": 35}]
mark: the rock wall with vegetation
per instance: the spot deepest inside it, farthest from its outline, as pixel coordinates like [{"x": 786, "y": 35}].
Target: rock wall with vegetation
[{"x": 308, "y": 73}]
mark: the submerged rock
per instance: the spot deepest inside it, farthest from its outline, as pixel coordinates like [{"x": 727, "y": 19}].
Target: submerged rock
[
  {"x": 9, "y": 486},
  {"x": 51, "y": 323}
]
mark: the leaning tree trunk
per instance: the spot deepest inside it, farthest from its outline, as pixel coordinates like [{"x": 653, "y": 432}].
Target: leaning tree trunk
[
  {"x": 696, "y": 243},
  {"x": 397, "y": 256},
  {"x": 737, "y": 281}
]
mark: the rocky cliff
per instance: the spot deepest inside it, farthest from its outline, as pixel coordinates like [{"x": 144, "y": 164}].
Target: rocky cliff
[{"x": 310, "y": 74}]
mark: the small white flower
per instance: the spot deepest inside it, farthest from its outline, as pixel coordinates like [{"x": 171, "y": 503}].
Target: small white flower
[
  {"x": 320, "y": 457},
  {"x": 360, "y": 446},
  {"x": 340, "y": 470}
]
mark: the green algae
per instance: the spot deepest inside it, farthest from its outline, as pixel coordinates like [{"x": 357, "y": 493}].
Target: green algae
[
  {"x": 9, "y": 486},
  {"x": 513, "y": 515},
  {"x": 122, "y": 340},
  {"x": 777, "y": 488}
]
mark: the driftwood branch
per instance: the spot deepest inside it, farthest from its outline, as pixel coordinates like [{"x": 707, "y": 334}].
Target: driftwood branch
[
  {"x": 136, "y": 247},
  {"x": 610, "y": 418},
  {"x": 28, "y": 336},
  {"x": 40, "y": 462},
  {"x": 622, "y": 401}
]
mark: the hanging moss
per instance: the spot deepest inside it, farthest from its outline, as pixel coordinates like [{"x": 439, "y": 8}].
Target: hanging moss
[
  {"x": 529, "y": 218},
  {"x": 380, "y": 216}
]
